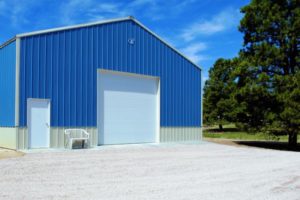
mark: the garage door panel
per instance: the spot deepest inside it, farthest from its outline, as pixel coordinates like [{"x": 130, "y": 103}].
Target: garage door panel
[
  {"x": 128, "y": 109},
  {"x": 120, "y": 83}
]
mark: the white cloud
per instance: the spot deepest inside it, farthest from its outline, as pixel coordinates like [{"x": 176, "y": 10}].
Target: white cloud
[
  {"x": 193, "y": 52},
  {"x": 138, "y": 3},
  {"x": 70, "y": 10},
  {"x": 152, "y": 9},
  {"x": 104, "y": 11},
  {"x": 196, "y": 47},
  {"x": 205, "y": 78},
  {"x": 90, "y": 10},
  {"x": 226, "y": 19},
  {"x": 16, "y": 11},
  {"x": 75, "y": 11}
]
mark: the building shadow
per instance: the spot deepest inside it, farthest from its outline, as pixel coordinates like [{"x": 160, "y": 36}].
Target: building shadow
[
  {"x": 269, "y": 145},
  {"x": 217, "y": 130}
]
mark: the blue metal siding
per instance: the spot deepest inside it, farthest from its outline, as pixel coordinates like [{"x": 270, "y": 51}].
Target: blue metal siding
[
  {"x": 7, "y": 84},
  {"x": 62, "y": 66}
]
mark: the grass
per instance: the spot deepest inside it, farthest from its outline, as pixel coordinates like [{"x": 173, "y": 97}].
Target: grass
[
  {"x": 232, "y": 133},
  {"x": 244, "y": 136},
  {"x": 235, "y": 136}
]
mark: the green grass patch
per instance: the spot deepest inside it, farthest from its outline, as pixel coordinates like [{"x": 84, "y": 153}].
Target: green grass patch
[{"x": 239, "y": 135}]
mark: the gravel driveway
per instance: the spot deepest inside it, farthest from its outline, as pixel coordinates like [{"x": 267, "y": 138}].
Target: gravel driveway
[{"x": 175, "y": 171}]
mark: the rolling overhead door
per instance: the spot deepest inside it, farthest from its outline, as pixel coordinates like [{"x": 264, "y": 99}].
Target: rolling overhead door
[{"x": 128, "y": 108}]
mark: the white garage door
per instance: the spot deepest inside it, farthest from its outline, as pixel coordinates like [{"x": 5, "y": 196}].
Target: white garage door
[{"x": 128, "y": 108}]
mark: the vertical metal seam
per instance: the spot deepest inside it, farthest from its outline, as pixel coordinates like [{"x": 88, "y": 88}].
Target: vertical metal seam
[
  {"x": 86, "y": 77},
  {"x": 51, "y": 70},
  {"x": 69, "y": 80},
  {"x": 45, "y": 71},
  {"x": 38, "y": 67},
  {"x": 81, "y": 64},
  {"x": 91, "y": 75},
  {"x": 63, "y": 75},
  {"x": 57, "y": 78},
  {"x": 75, "y": 77}
]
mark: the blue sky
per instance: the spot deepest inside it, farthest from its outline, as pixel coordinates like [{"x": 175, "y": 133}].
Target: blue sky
[{"x": 203, "y": 30}]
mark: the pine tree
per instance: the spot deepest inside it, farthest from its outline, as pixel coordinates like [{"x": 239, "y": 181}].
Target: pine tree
[
  {"x": 218, "y": 103},
  {"x": 271, "y": 31}
]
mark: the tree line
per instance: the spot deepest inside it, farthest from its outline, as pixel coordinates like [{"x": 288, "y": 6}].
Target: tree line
[{"x": 259, "y": 90}]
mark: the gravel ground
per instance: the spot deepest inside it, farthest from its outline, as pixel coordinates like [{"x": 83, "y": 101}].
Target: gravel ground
[{"x": 177, "y": 171}]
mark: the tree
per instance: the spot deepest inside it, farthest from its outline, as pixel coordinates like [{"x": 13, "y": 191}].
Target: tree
[
  {"x": 218, "y": 103},
  {"x": 288, "y": 94},
  {"x": 271, "y": 31},
  {"x": 255, "y": 99}
]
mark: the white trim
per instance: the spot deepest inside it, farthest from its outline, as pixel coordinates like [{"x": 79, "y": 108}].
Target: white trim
[
  {"x": 73, "y": 27},
  {"x": 99, "y": 139},
  {"x": 126, "y": 73},
  {"x": 7, "y": 42},
  {"x": 107, "y": 22},
  {"x": 201, "y": 97},
  {"x": 157, "y": 137},
  {"x": 17, "y": 81},
  {"x": 29, "y": 100}
]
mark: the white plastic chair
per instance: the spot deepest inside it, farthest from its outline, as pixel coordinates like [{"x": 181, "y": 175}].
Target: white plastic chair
[{"x": 76, "y": 134}]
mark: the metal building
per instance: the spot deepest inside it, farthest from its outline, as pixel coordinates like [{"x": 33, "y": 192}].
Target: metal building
[{"x": 116, "y": 79}]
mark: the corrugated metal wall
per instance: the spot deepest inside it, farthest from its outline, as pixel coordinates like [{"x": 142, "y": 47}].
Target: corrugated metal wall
[
  {"x": 7, "y": 84},
  {"x": 62, "y": 66}
]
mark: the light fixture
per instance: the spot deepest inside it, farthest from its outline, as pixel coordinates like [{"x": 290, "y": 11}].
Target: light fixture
[{"x": 131, "y": 41}]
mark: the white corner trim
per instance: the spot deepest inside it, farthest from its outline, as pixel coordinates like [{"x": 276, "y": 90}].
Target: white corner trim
[
  {"x": 157, "y": 139},
  {"x": 201, "y": 97},
  {"x": 17, "y": 81}
]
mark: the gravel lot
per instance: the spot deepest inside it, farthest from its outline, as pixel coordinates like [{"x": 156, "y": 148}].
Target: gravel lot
[{"x": 175, "y": 171}]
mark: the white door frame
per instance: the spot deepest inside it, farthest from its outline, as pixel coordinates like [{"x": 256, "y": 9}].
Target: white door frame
[
  {"x": 157, "y": 134},
  {"x": 29, "y": 105}
]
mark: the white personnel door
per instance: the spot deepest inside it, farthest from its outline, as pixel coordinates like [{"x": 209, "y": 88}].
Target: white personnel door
[{"x": 38, "y": 122}]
